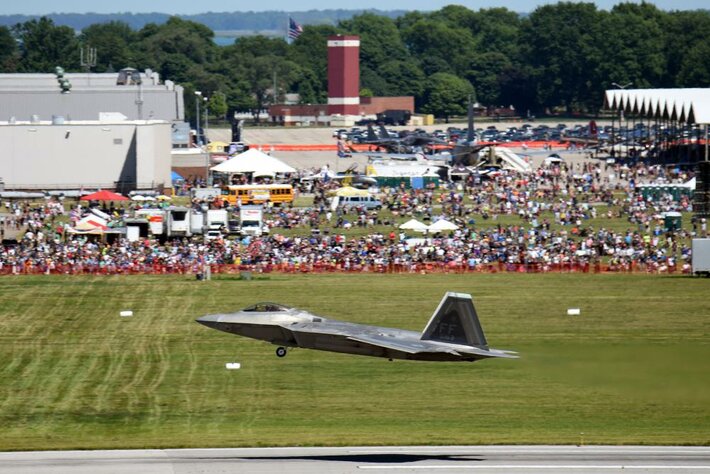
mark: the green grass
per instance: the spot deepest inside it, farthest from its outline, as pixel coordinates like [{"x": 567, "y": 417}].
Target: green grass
[{"x": 633, "y": 368}]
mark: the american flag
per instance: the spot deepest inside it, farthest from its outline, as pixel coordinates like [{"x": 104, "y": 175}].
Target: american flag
[{"x": 294, "y": 29}]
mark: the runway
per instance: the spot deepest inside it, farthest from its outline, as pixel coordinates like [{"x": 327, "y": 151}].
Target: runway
[{"x": 363, "y": 460}]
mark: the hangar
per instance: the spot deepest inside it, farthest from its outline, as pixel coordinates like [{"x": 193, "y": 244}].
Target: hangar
[
  {"x": 110, "y": 153},
  {"x": 137, "y": 95},
  {"x": 108, "y": 130}
]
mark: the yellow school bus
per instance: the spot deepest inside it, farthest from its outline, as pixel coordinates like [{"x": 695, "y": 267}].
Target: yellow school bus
[{"x": 258, "y": 193}]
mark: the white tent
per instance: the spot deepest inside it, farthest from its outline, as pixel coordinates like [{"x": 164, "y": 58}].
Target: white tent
[
  {"x": 415, "y": 225},
  {"x": 441, "y": 225},
  {"x": 253, "y": 161}
]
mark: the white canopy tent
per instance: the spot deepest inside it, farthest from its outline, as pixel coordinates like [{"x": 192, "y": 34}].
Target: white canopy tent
[
  {"x": 683, "y": 105},
  {"x": 442, "y": 225},
  {"x": 414, "y": 225},
  {"x": 255, "y": 162}
]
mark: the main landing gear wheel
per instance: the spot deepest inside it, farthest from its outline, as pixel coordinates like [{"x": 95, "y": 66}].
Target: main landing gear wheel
[{"x": 280, "y": 352}]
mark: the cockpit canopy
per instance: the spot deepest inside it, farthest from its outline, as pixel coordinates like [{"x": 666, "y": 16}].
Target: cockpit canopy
[{"x": 266, "y": 308}]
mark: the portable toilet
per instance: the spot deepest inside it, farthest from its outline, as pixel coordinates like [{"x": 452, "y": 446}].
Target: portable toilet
[{"x": 672, "y": 221}]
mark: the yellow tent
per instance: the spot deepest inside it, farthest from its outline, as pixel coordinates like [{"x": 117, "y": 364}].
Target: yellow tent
[{"x": 350, "y": 191}]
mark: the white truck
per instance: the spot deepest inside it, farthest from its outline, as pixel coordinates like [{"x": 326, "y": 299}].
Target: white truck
[
  {"x": 217, "y": 219},
  {"x": 251, "y": 221},
  {"x": 701, "y": 257}
]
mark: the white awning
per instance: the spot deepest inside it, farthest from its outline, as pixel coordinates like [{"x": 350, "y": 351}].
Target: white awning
[{"x": 683, "y": 105}]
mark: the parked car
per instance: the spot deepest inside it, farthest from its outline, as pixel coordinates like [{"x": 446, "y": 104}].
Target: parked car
[{"x": 368, "y": 202}]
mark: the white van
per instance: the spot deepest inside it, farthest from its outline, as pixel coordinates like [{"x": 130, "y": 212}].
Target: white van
[{"x": 368, "y": 202}]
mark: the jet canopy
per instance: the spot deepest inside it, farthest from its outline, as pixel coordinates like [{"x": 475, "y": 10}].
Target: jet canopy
[{"x": 267, "y": 308}]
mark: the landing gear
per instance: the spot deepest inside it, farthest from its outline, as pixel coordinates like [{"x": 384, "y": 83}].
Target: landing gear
[{"x": 280, "y": 352}]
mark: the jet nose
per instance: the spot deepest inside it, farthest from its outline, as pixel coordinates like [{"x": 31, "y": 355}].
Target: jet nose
[{"x": 210, "y": 320}]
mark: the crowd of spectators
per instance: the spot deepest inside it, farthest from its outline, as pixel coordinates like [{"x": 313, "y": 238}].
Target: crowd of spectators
[{"x": 557, "y": 219}]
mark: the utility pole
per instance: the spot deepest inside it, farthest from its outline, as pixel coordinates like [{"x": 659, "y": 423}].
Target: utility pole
[
  {"x": 207, "y": 140},
  {"x": 198, "y": 96}
]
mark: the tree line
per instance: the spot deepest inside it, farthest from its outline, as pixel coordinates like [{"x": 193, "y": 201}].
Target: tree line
[{"x": 560, "y": 57}]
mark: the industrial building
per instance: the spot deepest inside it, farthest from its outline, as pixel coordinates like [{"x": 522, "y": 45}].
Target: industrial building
[
  {"x": 137, "y": 95},
  {"x": 111, "y": 153},
  {"x": 86, "y": 130}
]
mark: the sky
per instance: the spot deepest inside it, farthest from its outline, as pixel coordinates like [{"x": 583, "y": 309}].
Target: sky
[{"x": 185, "y": 7}]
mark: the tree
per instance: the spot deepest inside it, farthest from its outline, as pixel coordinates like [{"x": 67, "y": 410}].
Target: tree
[
  {"x": 560, "y": 43},
  {"x": 8, "y": 51},
  {"x": 695, "y": 70},
  {"x": 632, "y": 50},
  {"x": 497, "y": 30},
  {"x": 446, "y": 95},
  {"x": 158, "y": 46},
  {"x": 263, "y": 73},
  {"x": 217, "y": 105},
  {"x": 485, "y": 71},
  {"x": 403, "y": 78},
  {"x": 112, "y": 41},
  {"x": 380, "y": 41},
  {"x": 437, "y": 42},
  {"x": 370, "y": 79},
  {"x": 45, "y": 46},
  {"x": 685, "y": 32}
]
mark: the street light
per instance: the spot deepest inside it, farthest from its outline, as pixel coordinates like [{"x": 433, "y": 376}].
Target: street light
[
  {"x": 198, "y": 95},
  {"x": 207, "y": 119},
  {"x": 207, "y": 140},
  {"x": 618, "y": 86}
]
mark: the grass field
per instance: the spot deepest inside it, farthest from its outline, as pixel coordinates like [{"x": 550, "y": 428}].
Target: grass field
[{"x": 633, "y": 368}]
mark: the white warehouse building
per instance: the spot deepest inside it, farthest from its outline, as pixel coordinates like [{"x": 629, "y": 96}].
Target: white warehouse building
[
  {"x": 112, "y": 130},
  {"x": 137, "y": 95},
  {"x": 111, "y": 153}
]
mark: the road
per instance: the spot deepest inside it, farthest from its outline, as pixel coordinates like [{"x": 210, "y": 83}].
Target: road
[{"x": 446, "y": 459}]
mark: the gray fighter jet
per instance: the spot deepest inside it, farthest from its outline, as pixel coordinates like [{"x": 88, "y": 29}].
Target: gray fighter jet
[{"x": 453, "y": 333}]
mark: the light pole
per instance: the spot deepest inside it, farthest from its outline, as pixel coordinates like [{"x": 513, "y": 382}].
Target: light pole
[
  {"x": 198, "y": 95},
  {"x": 619, "y": 86},
  {"x": 207, "y": 140},
  {"x": 207, "y": 119}
]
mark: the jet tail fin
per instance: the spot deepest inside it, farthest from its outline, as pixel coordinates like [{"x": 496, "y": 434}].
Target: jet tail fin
[
  {"x": 383, "y": 132},
  {"x": 371, "y": 135},
  {"x": 455, "y": 321}
]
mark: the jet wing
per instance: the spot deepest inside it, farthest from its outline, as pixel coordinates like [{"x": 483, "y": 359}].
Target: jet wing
[{"x": 410, "y": 347}]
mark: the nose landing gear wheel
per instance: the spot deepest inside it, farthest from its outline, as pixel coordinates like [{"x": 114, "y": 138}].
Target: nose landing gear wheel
[{"x": 280, "y": 352}]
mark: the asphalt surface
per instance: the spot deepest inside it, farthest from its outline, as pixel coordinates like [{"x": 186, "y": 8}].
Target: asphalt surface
[
  {"x": 266, "y": 136},
  {"x": 447, "y": 459}
]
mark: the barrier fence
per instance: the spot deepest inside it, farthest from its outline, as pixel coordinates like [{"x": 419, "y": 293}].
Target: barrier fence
[
  {"x": 289, "y": 268},
  {"x": 373, "y": 148}
]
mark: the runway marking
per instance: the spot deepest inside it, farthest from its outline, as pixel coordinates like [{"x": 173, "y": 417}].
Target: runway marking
[{"x": 539, "y": 466}]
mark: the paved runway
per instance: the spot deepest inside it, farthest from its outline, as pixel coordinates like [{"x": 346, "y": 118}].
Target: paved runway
[{"x": 446, "y": 459}]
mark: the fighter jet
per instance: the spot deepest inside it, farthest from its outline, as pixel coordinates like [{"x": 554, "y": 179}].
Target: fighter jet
[
  {"x": 465, "y": 152},
  {"x": 453, "y": 333}
]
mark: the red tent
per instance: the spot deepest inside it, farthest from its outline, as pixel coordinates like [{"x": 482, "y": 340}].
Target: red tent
[{"x": 104, "y": 196}]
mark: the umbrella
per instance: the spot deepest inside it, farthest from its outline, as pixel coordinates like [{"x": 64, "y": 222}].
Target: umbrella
[
  {"x": 163, "y": 197},
  {"x": 415, "y": 225},
  {"x": 175, "y": 176},
  {"x": 104, "y": 196},
  {"x": 138, "y": 197},
  {"x": 441, "y": 225}
]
